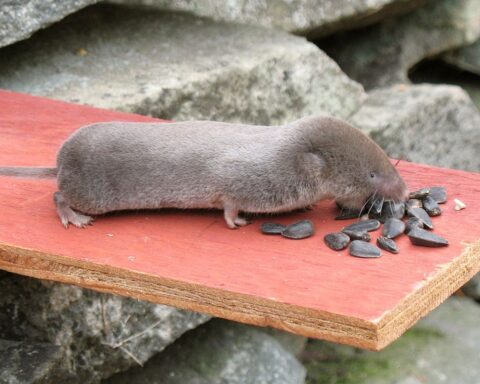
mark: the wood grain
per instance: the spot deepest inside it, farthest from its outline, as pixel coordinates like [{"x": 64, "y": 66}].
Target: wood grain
[{"x": 189, "y": 259}]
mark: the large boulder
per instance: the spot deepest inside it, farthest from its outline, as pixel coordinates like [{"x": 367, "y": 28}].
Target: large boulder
[
  {"x": 19, "y": 19},
  {"x": 220, "y": 352},
  {"x": 433, "y": 124},
  {"x": 441, "y": 348},
  {"x": 466, "y": 58},
  {"x": 26, "y": 362},
  {"x": 180, "y": 67},
  {"x": 94, "y": 334},
  {"x": 382, "y": 55},
  {"x": 312, "y": 18}
]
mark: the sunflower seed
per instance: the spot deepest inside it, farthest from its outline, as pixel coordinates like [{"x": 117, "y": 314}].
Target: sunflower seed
[
  {"x": 425, "y": 238},
  {"x": 431, "y": 206},
  {"x": 392, "y": 228},
  {"x": 439, "y": 194},
  {"x": 413, "y": 222},
  {"x": 272, "y": 228},
  {"x": 387, "y": 244},
  {"x": 359, "y": 248},
  {"x": 422, "y": 215},
  {"x": 413, "y": 203},
  {"x": 357, "y": 235},
  {"x": 337, "y": 241},
  {"x": 420, "y": 194},
  {"x": 363, "y": 226},
  {"x": 299, "y": 230}
]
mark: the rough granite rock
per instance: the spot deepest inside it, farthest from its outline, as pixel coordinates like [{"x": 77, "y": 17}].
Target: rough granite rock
[
  {"x": 180, "y": 67},
  {"x": 312, "y": 18},
  {"x": 24, "y": 362},
  {"x": 433, "y": 124},
  {"x": 219, "y": 352},
  {"x": 466, "y": 58},
  {"x": 441, "y": 348},
  {"x": 97, "y": 334},
  {"x": 382, "y": 55},
  {"x": 472, "y": 288},
  {"x": 19, "y": 19}
]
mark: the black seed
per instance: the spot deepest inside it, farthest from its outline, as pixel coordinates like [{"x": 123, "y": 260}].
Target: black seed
[
  {"x": 392, "y": 228},
  {"x": 346, "y": 214},
  {"x": 389, "y": 209},
  {"x": 419, "y": 236},
  {"x": 422, "y": 215},
  {"x": 377, "y": 206},
  {"x": 357, "y": 235},
  {"x": 272, "y": 228},
  {"x": 413, "y": 222},
  {"x": 439, "y": 194},
  {"x": 337, "y": 241},
  {"x": 299, "y": 230},
  {"x": 420, "y": 194},
  {"x": 363, "y": 226},
  {"x": 431, "y": 206},
  {"x": 359, "y": 248},
  {"x": 387, "y": 244},
  {"x": 413, "y": 203}
]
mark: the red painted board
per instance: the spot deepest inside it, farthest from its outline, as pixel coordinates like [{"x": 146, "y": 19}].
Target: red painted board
[{"x": 191, "y": 260}]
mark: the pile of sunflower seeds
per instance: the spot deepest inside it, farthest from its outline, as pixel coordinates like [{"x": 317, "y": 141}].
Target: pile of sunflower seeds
[{"x": 419, "y": 209}]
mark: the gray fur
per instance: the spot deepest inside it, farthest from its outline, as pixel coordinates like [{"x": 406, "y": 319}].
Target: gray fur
[{"x": 200, "y": 164}]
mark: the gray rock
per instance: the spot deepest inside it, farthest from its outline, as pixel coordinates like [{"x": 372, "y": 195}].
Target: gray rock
[
  {"x": 441, "y": 348},
  {"x": 466, "y": 58},
  {"x": 23, "y": 362},
  {"x": 219, "y": 352},
  {"x": 98, "y": 334},
  {"x": 472, "y": 288},
  {"x": 179, "y": 67},
  {"x": 433, "y": 124},
  {"x": 381, "y": 55},
  {"x": 306, "y": 17},
  {"x": 19, "y": 19}
]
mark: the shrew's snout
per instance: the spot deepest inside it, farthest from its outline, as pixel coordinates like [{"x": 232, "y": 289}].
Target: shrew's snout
[{"x": 396, "y": 190}]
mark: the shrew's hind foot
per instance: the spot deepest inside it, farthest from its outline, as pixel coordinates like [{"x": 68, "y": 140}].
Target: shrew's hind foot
[
  {"x": 67, "y": 215},
  {"x": 232, "y": 219}
]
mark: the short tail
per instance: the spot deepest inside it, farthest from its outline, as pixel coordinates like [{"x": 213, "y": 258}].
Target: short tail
[{"x": 29, "y": 172}]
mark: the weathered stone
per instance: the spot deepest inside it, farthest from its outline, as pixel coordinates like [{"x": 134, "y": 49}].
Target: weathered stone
[
  {"x": 433, "y": 124},
  {"x": 98, "y": 334},
  {"x": 220, "y": 352},
  {"x": 441, "y": 348},
  {"x": 466, "y": 58},
  {"x": 472, "y": 288},
  {"x": 179, "y": 67},
  {"x": 26, "y": 362},
  {"x": 305, "y": 17},
  {"x": 381, "y": 55},
  {"x": 21, "y": 18}
]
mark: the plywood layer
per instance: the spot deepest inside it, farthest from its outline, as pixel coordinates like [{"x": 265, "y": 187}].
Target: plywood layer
[{"x": 189, "y": 259}]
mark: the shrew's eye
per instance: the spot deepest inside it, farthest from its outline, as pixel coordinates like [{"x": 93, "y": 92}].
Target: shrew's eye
[{"x": 372, "y": 175}]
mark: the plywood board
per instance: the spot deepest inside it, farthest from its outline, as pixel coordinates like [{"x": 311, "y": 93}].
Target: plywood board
[{"x": 189, "y": 259}]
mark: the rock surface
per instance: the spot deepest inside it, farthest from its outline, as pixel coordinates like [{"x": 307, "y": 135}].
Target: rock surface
[
  {"x": 98, "y": 334},
  {"x": 382, "y": 55},
  {"x": 219, "y": 352},
  {"x": 305, "y": 17},
  {"x": 33, "y": 363},
  {"x": 19, "y": 19},
  {"x": 179, "y": 67},
  {"x": 441, "y": 348},
  {"x": 472, "y": 288},
  {"x": 433, "y": 124},
  {"x": 466, "y": 58}
]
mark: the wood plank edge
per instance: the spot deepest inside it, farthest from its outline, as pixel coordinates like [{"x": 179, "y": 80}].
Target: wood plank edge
[
  {"x": 216, "y": 302},
  {"x": 436, "y": 289}
]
